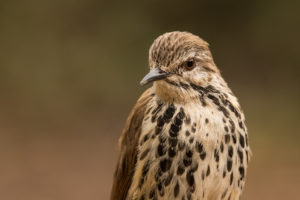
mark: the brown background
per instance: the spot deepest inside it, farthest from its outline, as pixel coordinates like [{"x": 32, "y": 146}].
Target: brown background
[{"x": 70, "y": 72}]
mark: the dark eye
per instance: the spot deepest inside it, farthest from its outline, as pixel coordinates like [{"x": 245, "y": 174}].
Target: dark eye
[{"x": 190, "y": 64}]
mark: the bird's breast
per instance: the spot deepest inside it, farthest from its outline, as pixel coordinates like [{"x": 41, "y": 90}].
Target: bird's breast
[{"x": 183, "y": 152}]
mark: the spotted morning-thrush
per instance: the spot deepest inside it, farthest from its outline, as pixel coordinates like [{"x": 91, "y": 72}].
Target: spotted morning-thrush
[{"x": 186, "y": 137}]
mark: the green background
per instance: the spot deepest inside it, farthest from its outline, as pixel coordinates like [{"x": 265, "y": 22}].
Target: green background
[{"x": 70, "y": 72}]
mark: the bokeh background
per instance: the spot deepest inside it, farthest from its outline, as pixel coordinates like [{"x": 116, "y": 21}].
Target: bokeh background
[{"x": 70, "y": 72}]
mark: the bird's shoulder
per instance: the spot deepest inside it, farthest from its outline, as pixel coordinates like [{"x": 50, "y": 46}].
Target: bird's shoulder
[{"x": 128, "y": 147}]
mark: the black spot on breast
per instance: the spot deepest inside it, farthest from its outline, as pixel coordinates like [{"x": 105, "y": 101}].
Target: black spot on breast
[
  {"x": 189, "y": 153},
  {"x": 232, "y": 126},
  {"x": 180, "y": 169},
  {"x": 199, "y": 147},
  {"x": 146, "y": 137},
  {"x": 144, "y": 154},
  {"x": 208, "y": 171},
  {"x": 160, "y": 122},
  {"x": 206, "y": 121},
  {"x": 187, "y": 133},
  {"x": 181, "y": 145},
  {"x": 190, "y": 178},
  {"x": 242, "y": 172},
  {"x": 226, "y": 129},
  {"x": 174, "y": 130},
  {"x": 230, "y": 151},
  {"x": 165, "y": 164},
  {"x": 233, "y": 138},
  {"x": 168, "y": 114},
  {"x": 161, "y": 149},
  {"x": 227, "y": 138},
  {"x": 153, "y": 118},
  {"x": 203, "y": 155},
  {"x": 172, "y": 152},
  {"x": 191, "y": 140},
  {"x": 158, "y": 174},
  {"x": 187, "y": 161},
  {"x": 202, "y": 100},
  {"x": 173, "y": 141},
  {"x": 216, "y": 155},
  {"x": 242, "y": 140},
  {"x": 187, "y": 120},
  {"x": 241, "y": 125},
  {"x": 145, "y": 170},
  {"x": 241, "y": 155},
  {"x": 176, "y": 190},
  {"x": 181, "y": 114},
  {"x": 160, "y": 189},
  {"x": 229, "y": 165},
  {"x": 176, "y": 125},
  {"x": 178, "y": 121},
  {"x": 193, "y": 129},
  {"x": 222, "y": 147},
  {"x": 224, "y": 174},
  {"x": 158, "y": 130},
  {"x": 231, "y": 178}
]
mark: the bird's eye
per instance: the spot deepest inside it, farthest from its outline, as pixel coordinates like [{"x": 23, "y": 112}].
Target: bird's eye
[{"x": 190, "y": 64}]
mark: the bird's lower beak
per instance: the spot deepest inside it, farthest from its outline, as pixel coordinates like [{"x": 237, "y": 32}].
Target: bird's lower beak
[{"x": 154, "y": 75}]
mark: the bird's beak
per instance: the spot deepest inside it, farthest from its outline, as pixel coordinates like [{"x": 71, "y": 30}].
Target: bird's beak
[{"x": 154, "y": 75}]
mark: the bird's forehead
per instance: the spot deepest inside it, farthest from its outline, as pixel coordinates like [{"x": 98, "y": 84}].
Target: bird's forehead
[{"x": 170, "y": 47}]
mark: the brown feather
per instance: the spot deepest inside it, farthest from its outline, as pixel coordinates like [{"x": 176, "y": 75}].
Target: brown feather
[{"x": 128, "y": 148}]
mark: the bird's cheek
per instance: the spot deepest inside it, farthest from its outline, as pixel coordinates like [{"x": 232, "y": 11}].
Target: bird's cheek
[{"x": 198, "y": 78}]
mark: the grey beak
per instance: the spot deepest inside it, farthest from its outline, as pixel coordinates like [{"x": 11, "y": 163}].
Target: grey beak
[{"x": 154, "y": 75}]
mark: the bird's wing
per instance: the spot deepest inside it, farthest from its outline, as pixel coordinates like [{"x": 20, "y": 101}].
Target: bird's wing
[{"x": 128, "y": 148}]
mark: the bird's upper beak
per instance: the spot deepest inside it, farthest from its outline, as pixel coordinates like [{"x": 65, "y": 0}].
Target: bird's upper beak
[{"x": 154, "y": 75}]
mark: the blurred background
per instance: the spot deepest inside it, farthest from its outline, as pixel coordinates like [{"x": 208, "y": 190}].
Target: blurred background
[{"x": 70, "y": 72}]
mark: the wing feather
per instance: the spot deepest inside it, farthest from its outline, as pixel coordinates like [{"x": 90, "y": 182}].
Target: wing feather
[{"x": 128, "y": 143}]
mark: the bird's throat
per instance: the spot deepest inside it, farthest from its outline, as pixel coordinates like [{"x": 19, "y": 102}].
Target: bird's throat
[{"x": 174, "y": 92}]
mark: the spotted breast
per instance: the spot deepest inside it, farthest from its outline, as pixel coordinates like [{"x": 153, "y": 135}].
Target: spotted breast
[{"x": 195, "y": 151}]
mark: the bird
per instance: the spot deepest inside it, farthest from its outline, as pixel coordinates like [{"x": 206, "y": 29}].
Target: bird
[{"x": 186, "y": 136}]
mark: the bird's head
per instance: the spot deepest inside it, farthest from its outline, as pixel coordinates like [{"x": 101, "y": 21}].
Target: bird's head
[{"x": 179, "y": 60}]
